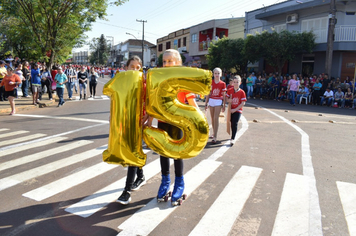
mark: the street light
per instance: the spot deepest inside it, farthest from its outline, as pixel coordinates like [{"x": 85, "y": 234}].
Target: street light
[
  {"x": 131, "y": 35},
  {"x": 143, "y": 37}
]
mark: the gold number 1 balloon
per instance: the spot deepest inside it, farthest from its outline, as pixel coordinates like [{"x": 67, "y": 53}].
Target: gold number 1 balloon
[
  {"x": 125, "y": 137},
  {"x": 163, "y": 85}
]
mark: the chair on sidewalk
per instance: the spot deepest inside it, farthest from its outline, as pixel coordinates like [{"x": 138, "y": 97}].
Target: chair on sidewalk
[{"x": 307, "y": 99}]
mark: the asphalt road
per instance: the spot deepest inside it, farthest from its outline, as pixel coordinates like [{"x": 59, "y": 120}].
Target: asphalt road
[{"x": 291, "y": 172}]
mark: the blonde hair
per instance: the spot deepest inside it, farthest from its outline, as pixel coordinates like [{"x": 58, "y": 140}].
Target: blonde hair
[
  {"x": 218, "y": 69},
  {"x": 237, "y": 77},
  {"x": 175, "y": 53}
]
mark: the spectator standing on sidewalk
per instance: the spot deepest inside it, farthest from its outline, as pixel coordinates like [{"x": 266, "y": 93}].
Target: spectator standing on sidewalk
[
  {"x": 26, "y": 77},
  {"x": 3, "y": 72},
  {"x": 93, "y": 82},
  {"x": 316, "y": 93},
  {"x": 83, "y": 79},
  {"x": 11, "y": 81},
  {"x": 35, "y": 83},
  {"x": 293, "y": 87},
  {"x": 60, "y": 79},
  {"x": 46, "y": 81},
  {"x": 71, "y": 74}
]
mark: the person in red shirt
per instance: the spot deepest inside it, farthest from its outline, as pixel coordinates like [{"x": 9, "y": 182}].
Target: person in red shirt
[
  {"x": 236, "y": 99},
  {"x": 215, "y": 101},
  {"x": 11, "y": 81},
  {"x": 171, "y": 57}
]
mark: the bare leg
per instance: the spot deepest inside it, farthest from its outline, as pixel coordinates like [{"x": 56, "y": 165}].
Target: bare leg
[{"x": 12, "y": 104}]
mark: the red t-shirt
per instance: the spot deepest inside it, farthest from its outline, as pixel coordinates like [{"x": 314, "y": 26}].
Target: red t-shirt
[
  {"x": 7, "y": 79},
  {"x": 237, "y": 98},
  {"x": 217, "y": 90},
  {"x": 229, "y": 87}
]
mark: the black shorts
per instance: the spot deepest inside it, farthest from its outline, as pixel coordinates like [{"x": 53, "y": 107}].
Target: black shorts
[{"x": 12, "y": 93}]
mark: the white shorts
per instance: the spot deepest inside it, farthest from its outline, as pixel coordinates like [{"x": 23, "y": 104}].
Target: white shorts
[{"x": 215, "y": 102}]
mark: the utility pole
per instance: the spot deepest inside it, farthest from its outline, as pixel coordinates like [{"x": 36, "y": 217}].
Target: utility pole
[
  {"x": 330, "y": 40},
  {"x": 143, "y": 36}
]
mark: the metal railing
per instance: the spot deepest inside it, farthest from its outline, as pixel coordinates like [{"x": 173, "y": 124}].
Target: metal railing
[{"x": 343, "y": 33}]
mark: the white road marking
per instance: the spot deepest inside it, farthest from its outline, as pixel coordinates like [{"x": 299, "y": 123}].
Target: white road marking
[
  {"x": 13, "y": 133},
  {"x": 49, "y": 137},
  {"x": 315, "y": 224},
  {"x": 3, "y": 130},
  {"x": 293, "y": 211},
  {"x": 43, "y": 154},
  {"x": 68, "y": 182},
  {"x": 22, "y": 139},
  {"x": 30, "y": 146},
  {"x": 45, "y": 169},
  {"x": 347, "y": 192},
  {"x": 65, "y": 118},
  {"x": 229, "y": 203},
  {"x": 151, "y": 215}
]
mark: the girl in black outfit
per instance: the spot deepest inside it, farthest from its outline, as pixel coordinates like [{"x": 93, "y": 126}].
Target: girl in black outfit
[{"x": 93, "y": 82}]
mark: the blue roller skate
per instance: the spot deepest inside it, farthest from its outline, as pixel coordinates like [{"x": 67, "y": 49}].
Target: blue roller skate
[
  {"x": 163, "y": 191},
  {"x": 177, "y": 196}
]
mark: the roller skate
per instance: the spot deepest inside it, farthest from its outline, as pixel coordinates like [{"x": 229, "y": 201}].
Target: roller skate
[
  {"x": 177, "y": 196},
  {"x": 163, "y": 191}
]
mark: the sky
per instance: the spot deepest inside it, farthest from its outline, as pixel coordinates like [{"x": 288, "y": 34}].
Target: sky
[{"x": 166, "y": 16}]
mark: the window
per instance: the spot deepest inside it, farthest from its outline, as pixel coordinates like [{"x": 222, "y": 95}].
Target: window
[
  {"x": 280, "y": 28},
  {"x": 319, "y": 26},
  {"x": 184, "y": 41},
  {"x": 175, "y": 44},
  {"x": 179, "y": 43},
  {"x": 160, "y": 47},
  {"x": 168, "y": 45},
  {"x": 194, "y": 38}
]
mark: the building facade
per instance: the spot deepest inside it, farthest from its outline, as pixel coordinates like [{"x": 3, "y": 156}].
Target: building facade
[
  {"x": 121, "y": 52},
  {"x": 178, "y": 40},
  {"x": 81, "y": 58},
  {"x": 312, "y": 16}
]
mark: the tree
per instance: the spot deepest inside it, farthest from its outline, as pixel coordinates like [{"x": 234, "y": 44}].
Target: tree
[
  {"x": 100, "y": 50},
  {"x": 227, "y": 53},
  {"x": 278, "y": 48},
  {"x": 55, "y": 26}
]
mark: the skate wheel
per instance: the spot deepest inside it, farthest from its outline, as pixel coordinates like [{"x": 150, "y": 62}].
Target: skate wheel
[
  {"x": 169, "y": 194},
  {"x": 184, "y": 196},
  {"x": 180, "y": 201},
  {"x": 165, "y": 198}
]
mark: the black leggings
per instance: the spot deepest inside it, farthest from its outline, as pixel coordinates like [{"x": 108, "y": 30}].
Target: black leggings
[
  {"x": 235, "y": 117},
  {"x": 316, "y": 97},
  {"x": 175, "y": 133},
  {"x": 131, "y": 174},
  {"x": 92, "y": 88}
]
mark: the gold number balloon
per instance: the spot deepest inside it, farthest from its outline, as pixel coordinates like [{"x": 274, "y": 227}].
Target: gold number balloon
[
  {"x": 163, "y": 85},
  {"x": 125, "y": 137}
]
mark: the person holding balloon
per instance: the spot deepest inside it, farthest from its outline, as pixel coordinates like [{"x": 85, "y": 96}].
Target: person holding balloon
[
  {"x": 134, "y": 63},
  {"x": 171, "y": 57},
  {"x": 215, "y": 101}
]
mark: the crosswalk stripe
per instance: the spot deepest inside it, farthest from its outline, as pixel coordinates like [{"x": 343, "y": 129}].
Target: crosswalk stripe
[
  {"x": 151, "y": 215},
  {"x": 3, "y": 130},
  {"x": 68, "y": 182},
  {"x": 30, "y": 146},
  {"x": 41, "y": 170},
  {"x": 347, "y": 192},
  {"x": 93, "y": 203},
  {"x": 13, "y": 133},
  {"x": 293, "y": 211},
  {"x": 229, "y": 203},
  {"x": 17, "y": 140},
  {"x": 40, "y": 155}
]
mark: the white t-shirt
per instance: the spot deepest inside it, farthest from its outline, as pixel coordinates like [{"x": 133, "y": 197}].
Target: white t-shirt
[{"x": 329, "y": 94}]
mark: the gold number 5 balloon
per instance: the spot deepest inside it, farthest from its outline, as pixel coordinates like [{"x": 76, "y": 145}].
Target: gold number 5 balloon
[
  {"x": 163, "y": 85},
  {"x": 125, "y": 137}
]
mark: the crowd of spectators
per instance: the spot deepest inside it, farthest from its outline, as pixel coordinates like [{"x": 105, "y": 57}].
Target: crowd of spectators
[{"x": 314, "y": 89}]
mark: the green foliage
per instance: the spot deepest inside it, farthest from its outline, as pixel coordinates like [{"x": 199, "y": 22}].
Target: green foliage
[
  {"x": 160, "y": 60},
  {"x": 227, "y": 53},
  {"x": 50, "y": 26},
  {"x": 100, "y": 50},
  {"x": 278, "y": 48}
]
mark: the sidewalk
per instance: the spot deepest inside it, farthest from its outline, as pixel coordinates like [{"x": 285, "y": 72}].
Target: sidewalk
[{"x": 27, "y": 103}]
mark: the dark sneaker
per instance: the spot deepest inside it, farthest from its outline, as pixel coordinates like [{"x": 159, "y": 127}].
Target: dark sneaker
[
  {"x": 125, "y": 198},
  {"x": 138, "y": 183}
]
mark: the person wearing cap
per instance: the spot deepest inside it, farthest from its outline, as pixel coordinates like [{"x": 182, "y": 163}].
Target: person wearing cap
[
  {"x": 2, "y": 75},
  {"x": 11, "y": 81},
  {"x": 328, "y": 97},
  {"x": 61, "y": 80}
]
